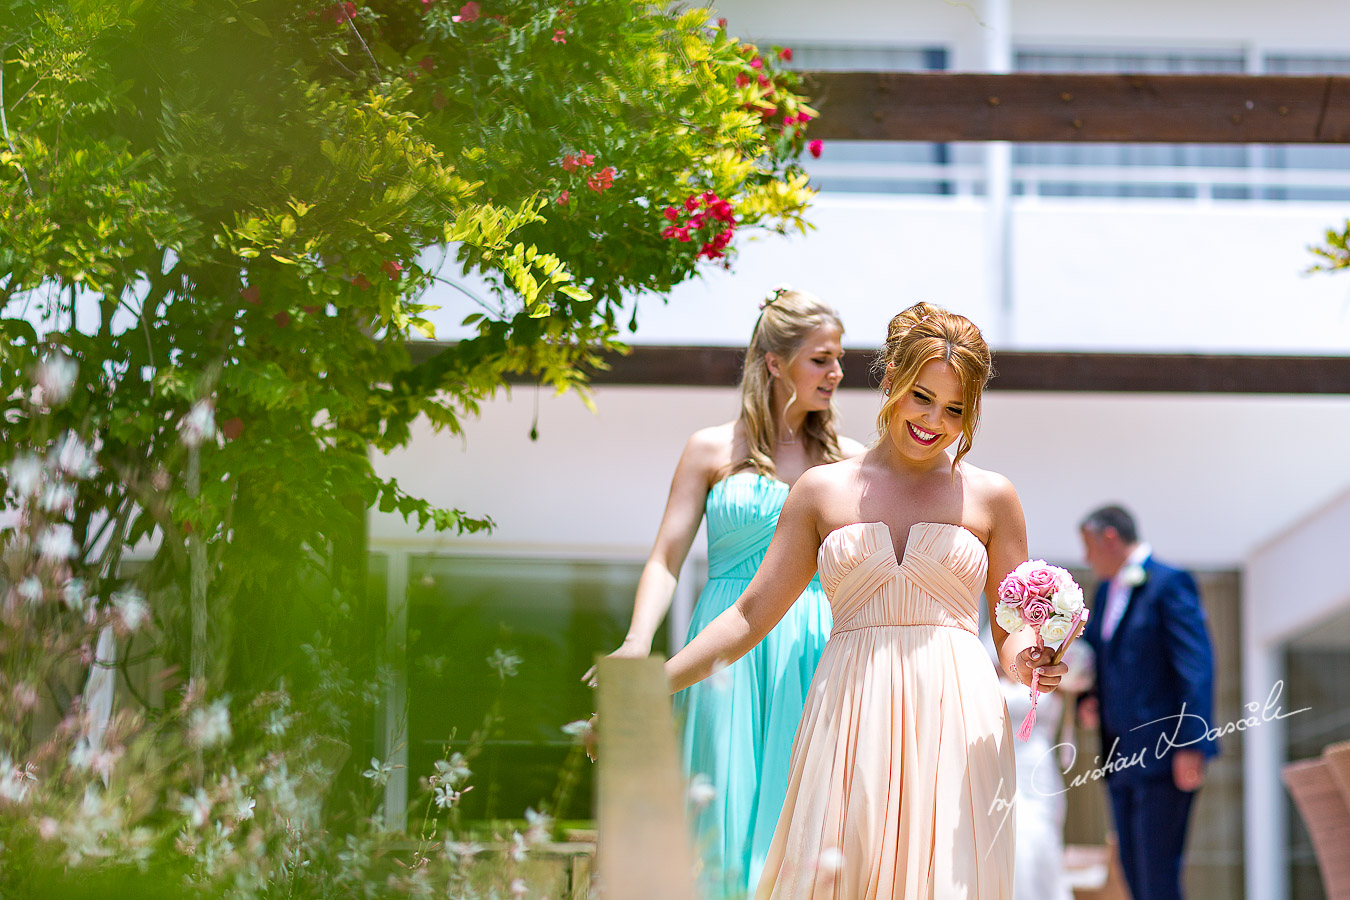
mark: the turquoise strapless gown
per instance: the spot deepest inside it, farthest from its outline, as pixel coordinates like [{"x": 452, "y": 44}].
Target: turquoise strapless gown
[{"x": 739, "y": 724}]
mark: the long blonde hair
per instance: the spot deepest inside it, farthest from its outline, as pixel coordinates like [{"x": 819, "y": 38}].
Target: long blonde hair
[
  {"x": 788, "y": 319},
  {"x": 923, "y": 333}
]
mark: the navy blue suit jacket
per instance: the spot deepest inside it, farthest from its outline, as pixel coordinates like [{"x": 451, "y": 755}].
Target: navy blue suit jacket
[{"x": 1155, "y": 676}]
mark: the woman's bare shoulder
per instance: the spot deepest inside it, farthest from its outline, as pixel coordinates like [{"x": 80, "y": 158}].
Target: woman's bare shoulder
[
  {"x": 710, "y": 450},
  {"x": 991, "y": 490},
  {"x": 714, "y": 437},
  {"x": 829, "y": 480}
]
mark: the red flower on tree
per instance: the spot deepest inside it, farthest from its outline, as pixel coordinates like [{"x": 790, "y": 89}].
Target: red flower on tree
[
  {"x": 559, "y": 37},
  {"x": 785, "y": 54},
  {"x": 714, "y": 225},
  {"x": 815, "y": 147},
  {"x": 742, "y": 80},
  {"x": 340, "y": 12},
  {"x": 602, "y": 180},
  {"x": 756, "y": 63},
  {"x": 570, "y": 162},
  {"x": 467, "y": 13}
]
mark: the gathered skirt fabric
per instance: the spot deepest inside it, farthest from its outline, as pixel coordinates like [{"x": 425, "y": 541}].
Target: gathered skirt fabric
[{"x": 737, "y": 727}]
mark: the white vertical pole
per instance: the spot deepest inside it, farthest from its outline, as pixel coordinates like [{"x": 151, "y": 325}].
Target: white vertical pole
[
  {"x": 998, "y": 180},
  {"x": 682, "y": 606},
  {"x": 1264, "y": 821},
  {"x": 394, "y": 740}
]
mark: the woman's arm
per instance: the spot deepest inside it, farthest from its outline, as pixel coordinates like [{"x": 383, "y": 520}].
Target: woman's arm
[
  {"x": 679, "y": 524},
  {"x": 788, "y": 566},
  {"x": 1017, "y": 653}
]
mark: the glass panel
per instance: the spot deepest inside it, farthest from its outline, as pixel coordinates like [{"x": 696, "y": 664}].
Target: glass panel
[
  {"x": 554, "y": 615},
  {"x": 1317, "y": 676}
]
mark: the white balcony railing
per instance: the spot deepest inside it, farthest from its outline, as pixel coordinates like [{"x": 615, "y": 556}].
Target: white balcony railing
[{"x": 1200, "y": 183}]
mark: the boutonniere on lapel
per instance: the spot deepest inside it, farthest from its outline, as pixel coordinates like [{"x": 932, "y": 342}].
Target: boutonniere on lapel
[{"x": 1133, "y": 575}]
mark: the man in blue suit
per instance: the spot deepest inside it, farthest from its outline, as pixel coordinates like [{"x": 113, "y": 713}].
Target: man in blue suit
[{"x": 1154, "y": 698}]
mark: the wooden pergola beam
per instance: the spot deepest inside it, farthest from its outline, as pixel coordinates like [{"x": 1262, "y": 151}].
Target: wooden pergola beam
[
  {"x": 1165, "y": 373},
  {"x": 1209, "y": 109}
]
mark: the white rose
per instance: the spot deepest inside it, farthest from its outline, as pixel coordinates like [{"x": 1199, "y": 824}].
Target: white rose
[
  {"x": 1133, "y": 575},
  {"x": 1056, "y": 629},
  {"x": 1068, "y": 599},
  {"x": 1008, "y": 618}
]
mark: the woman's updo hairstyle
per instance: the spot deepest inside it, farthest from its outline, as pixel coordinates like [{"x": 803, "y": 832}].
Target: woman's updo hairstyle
[
  {"x": 923, "y": 333},
  {"x": 787, "y": 320}
]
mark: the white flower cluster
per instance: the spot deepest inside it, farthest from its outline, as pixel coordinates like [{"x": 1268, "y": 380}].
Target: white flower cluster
[
  {"x": 379, "y": 772},
  {"x": 210, "y": 726},
  {"x": 505, "y": 664},
  {"x": 15, "y": 780},
  {"x": 55, "y": 379},
  {"x": 199, "y": 425}
]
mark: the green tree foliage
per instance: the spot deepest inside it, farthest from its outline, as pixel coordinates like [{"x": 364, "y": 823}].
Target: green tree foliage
[
  {"x": 226, "y": 214},
  {"x": 1335, "y": 254}
]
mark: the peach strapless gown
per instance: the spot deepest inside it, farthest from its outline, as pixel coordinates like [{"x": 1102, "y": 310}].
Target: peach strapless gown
[{"x": 902, "y": 771}]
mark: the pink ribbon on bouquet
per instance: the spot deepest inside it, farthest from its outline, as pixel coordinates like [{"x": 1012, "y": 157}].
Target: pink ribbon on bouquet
[{"x": 1024, "y": 730}]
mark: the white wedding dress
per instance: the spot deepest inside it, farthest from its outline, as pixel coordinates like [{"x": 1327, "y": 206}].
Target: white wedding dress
[{"x": 1039, "y": 867}]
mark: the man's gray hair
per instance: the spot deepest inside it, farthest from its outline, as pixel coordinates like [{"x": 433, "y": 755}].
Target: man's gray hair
[{"x": 1115, "y": 517}]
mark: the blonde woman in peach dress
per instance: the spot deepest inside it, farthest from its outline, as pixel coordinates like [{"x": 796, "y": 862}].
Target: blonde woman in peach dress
[{"x": 902, "y": 777}]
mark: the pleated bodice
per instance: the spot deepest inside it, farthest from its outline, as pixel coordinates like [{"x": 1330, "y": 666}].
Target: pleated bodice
[
  {"x": 938, "y": 582},
  {"x": 742, "y": 513}
]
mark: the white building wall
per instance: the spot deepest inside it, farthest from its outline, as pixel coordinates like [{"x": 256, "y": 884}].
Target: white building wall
[{"x": 1208, "y": 482}]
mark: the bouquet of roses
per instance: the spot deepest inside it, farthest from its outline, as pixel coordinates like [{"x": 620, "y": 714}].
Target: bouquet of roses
[{"x": 1046, "y": 598}]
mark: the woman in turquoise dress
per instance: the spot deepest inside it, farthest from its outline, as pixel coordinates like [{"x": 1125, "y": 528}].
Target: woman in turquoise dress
[{"x": 738, "y": 726}]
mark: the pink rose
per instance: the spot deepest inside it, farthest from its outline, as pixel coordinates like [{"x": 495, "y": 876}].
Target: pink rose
[
  {"x": 1041, "y": 582},
  {"x": 1036, "y": 610},
  {"x": 1013, "y": 591}
]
